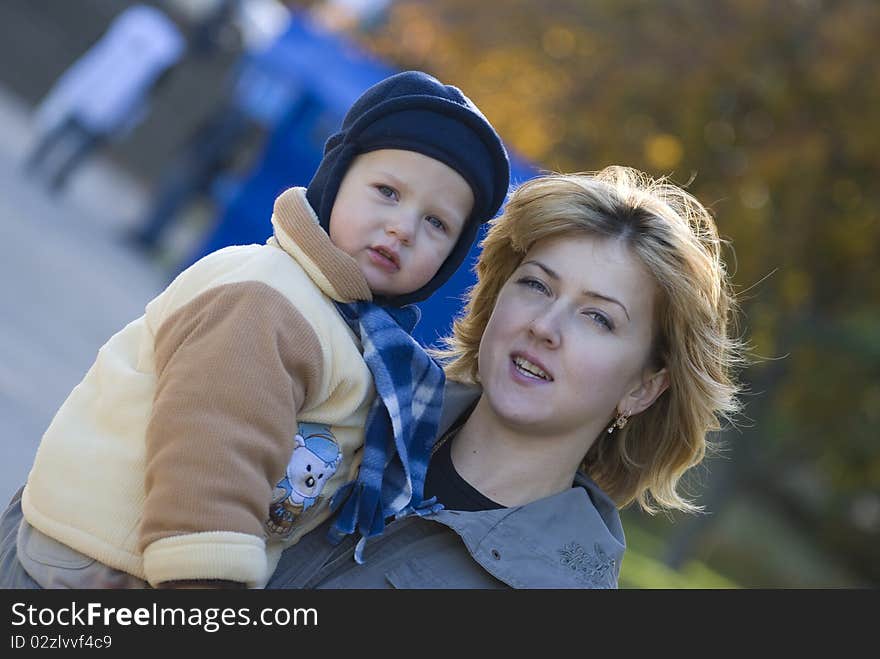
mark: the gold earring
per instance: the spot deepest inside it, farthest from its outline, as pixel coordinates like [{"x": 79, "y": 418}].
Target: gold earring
[{"x": 619, "y": 422}]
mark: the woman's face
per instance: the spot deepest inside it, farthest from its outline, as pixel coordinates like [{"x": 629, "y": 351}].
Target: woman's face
[{"x": 569, "y": 339}]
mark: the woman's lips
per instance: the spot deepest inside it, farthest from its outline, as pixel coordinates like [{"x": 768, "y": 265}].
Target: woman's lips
[{"x": 523, "y": 375}]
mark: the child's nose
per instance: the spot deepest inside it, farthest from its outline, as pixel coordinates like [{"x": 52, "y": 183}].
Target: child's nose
[{"x": 402, "y": 226}]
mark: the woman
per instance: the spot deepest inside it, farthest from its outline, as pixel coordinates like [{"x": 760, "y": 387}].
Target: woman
[{"x": 591, "y": 360}]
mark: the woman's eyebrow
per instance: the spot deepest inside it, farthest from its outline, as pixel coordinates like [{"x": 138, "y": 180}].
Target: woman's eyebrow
[
  {"x": 550, "y": 273},
  {"x": 553, "y": 275},
  {"x": 607, "y": 299}
]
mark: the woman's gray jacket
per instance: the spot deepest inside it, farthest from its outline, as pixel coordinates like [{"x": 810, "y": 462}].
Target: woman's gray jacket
[{"x": 569, "y": 540}]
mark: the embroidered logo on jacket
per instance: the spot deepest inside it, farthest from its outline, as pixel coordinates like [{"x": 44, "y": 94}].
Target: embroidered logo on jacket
[
  {"x": 596, "y": 570},
  {"x": 315, "y": 458}
]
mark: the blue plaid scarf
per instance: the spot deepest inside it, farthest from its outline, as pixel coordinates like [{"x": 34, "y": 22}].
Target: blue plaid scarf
[{"x": 401, "y": 425}]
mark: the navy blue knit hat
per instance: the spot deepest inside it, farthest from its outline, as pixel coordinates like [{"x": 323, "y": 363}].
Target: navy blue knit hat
[{"x": 414, "y": 111}]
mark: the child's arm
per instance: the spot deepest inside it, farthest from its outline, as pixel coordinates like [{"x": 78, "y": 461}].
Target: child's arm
[{"x": 234, "y": 367}]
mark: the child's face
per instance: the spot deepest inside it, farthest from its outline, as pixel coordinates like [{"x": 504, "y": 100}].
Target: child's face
[{"x": 399, "y": 214}]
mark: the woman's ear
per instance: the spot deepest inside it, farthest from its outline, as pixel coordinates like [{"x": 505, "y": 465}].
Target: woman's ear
[{"x": 647, "y": 391}]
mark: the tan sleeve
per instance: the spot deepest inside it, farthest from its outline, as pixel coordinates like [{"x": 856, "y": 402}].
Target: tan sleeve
[{"x": 234, "y": 367}]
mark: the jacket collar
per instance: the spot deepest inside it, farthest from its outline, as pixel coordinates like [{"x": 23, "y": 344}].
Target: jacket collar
[
  {"x": 298, "y": 233},
  {"x": 573, "y": 539}
]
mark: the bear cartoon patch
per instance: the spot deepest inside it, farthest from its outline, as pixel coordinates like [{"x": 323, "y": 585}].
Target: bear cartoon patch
[{"x": 315, "y": 458}]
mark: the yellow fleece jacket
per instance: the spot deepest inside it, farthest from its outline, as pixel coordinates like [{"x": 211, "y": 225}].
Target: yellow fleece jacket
[{"x": 166, "y": 460}]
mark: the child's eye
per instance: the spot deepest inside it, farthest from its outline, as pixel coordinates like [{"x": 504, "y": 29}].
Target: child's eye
[
  {"x": 436, "y": 222},
  {"x": 600, "y": 319},
  {"x": 387, "y": 191},
  {"x": 534, "y": 284}
]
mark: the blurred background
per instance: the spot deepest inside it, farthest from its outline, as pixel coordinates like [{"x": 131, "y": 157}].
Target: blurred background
[{"x": 766, "y": 109}]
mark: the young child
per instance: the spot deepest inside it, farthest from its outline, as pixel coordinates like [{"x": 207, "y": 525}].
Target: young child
[{"x": 211, "y": 432}]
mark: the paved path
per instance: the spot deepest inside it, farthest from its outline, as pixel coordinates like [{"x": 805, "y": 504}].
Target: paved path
[{"x": 66, "y": 285}]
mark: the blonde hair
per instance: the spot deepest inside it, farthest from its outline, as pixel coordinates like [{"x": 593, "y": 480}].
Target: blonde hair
[{"x": 675, "y": 237}]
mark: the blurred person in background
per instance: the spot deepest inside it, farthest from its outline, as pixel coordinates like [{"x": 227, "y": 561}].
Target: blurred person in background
[
  {"x": 105, "y": 93},
  {"x": 593, "y": 357},
  {"x": 246, "y": 109}
]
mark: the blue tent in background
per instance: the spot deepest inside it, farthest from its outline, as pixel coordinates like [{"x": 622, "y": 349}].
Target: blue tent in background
[{"x": 299, "y": 89}]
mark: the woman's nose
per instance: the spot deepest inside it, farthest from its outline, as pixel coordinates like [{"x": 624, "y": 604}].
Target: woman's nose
[{"x": 545, "y": 326}]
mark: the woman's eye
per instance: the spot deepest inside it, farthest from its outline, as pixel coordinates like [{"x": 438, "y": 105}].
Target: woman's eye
[
  {"x": 386, "y": 191},
  {"x": 599, "y": 319},
  {"x": 534, "y": 284},
  {"x": 436, "y": 222}
]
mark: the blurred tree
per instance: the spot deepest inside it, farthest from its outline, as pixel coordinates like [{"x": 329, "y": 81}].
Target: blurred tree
[{"x": 768, "y": 108}]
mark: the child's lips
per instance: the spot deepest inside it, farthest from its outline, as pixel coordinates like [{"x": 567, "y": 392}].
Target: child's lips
[{"x": 385, "y": 258}]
